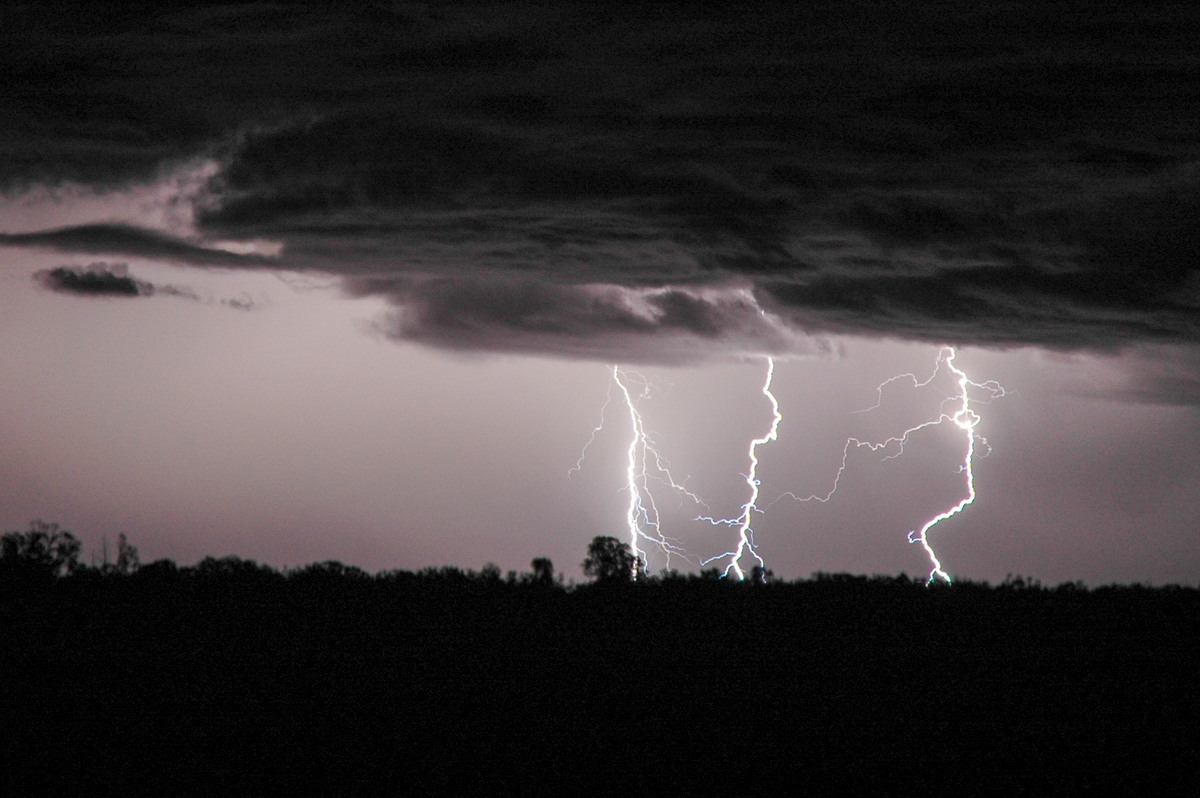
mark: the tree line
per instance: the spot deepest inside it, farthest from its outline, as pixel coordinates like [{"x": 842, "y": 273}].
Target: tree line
[{"x": 45, "y": 550}]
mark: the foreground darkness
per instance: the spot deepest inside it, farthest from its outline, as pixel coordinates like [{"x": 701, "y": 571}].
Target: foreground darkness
[{"x": 230, "y": 676}]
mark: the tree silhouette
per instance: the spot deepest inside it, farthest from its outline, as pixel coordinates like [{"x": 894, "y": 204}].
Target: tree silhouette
[
  {"x": 609, "y": 560},
  {"x": 45, "y": 548},
  {"x": 760, "y": 575},
  {"x": 543, "y": 571}
]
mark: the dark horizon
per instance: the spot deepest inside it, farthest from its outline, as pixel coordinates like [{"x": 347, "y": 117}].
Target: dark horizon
[{"x": 232, "y": 679}]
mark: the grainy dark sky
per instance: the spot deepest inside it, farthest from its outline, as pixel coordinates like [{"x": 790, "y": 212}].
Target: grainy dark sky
[{"x": 303, "y": 284}]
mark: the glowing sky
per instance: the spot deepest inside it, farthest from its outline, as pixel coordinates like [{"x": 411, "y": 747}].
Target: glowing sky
[{"x": 302, "y": 286}]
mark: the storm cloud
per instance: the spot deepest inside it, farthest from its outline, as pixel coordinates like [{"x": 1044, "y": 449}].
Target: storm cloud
[{"x": 666, "y": 182}]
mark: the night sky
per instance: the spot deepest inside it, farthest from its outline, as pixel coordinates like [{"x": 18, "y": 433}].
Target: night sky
[{"x": 298, "y": 284}]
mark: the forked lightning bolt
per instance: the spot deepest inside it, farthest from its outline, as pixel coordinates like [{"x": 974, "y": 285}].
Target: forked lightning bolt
[
  {"x": 745, "y": 540},
  {"x": 964, "y": 417},
  {"x": 643, "y": 464}
]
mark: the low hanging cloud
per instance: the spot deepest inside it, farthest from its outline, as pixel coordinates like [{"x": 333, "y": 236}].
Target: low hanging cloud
[
  {"x": 691, "y": 182},
  {"x": 670, "y": 325},
  {"x": 95, "y": 279},
  {"x": 102, "y": 279}
]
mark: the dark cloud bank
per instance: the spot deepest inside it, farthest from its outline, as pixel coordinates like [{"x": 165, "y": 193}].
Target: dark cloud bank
[{"x": 643, "y": 181}]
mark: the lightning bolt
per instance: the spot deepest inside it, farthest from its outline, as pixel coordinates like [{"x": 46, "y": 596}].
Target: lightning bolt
[
  {"x": 966, "y": 420},
  {"x": 745, "y": 539},
  {"x": 643, "y": 464},
  {"x": 964, "y": 417}
]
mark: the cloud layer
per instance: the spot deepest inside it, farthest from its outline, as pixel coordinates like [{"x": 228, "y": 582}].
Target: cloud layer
[{"x": 656, "y": 181}]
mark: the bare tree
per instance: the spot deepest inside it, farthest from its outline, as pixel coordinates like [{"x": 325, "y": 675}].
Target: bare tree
[{"x": 127, "y": 556}]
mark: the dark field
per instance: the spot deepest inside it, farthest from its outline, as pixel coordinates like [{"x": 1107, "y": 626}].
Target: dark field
[{"x": 230, "y": 678}]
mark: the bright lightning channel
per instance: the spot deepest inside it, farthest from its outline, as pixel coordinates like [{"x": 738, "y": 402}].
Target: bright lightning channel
[
  {"x": 964, "y": 417},
  {"x": 643, "y": 463},
  {"x": 745, "y": 540}
]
